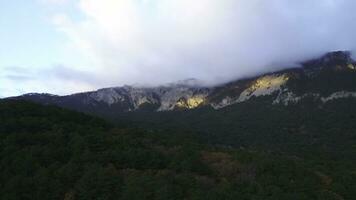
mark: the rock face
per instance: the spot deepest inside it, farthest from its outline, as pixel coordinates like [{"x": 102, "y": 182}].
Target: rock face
[
  {"x": 261, "y": 86},
  {"x": 331, "y": 77},
  {"x": 127, "y": 98}
]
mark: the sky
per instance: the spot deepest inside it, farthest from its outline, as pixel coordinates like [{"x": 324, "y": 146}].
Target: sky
[{"x": 67, "y": 46}]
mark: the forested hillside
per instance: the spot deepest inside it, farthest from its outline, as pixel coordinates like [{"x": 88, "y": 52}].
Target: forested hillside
[
  {"x": 52, "y": 153},
  {"x": 306, "y": 127}
]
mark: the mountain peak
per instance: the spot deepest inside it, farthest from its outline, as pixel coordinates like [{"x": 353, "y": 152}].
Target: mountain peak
[
  {"x": 337, "y": 56},
  {"x": 331, "y": 59}
]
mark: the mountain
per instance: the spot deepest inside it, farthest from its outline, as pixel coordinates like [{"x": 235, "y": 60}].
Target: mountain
[
  {"x": 330, "y": 77},
  {"x": 289, "y": 134}
]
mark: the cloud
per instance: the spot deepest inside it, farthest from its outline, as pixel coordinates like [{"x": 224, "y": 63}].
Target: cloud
[
  {"x": 54, "y": 2},
  {"x": 158, "y": 41}
]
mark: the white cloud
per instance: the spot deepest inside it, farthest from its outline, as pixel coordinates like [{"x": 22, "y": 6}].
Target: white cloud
[
  {"x": 155, "y": 41},
  {"x": 54, "y": 2},
  {"x": 134, "y": 41}
]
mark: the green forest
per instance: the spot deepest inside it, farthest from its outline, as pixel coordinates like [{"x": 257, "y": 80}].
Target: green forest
[{"x": 48, "y": 152}]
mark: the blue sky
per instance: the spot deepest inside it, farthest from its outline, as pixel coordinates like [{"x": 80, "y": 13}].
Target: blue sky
[
  {"x": 27, "y": 35},
  {"x": 27, "y": 40},
  {"x": 67, "y": 46}
]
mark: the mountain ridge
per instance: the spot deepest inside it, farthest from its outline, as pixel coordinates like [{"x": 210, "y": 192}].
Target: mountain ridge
[{"x": 323, "y": 79}]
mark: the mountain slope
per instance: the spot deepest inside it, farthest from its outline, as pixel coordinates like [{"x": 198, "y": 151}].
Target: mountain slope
[
  {"x": 333, "y": 76},
  {"x": 326, "y": 78},
  {"x": 52, "y": 153}
]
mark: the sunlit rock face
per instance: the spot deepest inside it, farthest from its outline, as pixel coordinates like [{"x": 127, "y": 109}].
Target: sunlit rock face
[
  {"x": 262, "y": 86},
  {"x": 351, "y": 66},
  {"x": 265, "y": 85},
  {"x": 192, "y": 102},
  {"x": 182, "y": 97}
]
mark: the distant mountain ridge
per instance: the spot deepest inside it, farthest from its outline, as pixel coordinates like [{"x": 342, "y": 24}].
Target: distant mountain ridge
[{"x": 324, "y": 79}]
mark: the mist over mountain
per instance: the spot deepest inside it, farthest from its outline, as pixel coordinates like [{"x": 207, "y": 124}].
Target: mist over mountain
[{"x": 324, "y": 79}]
